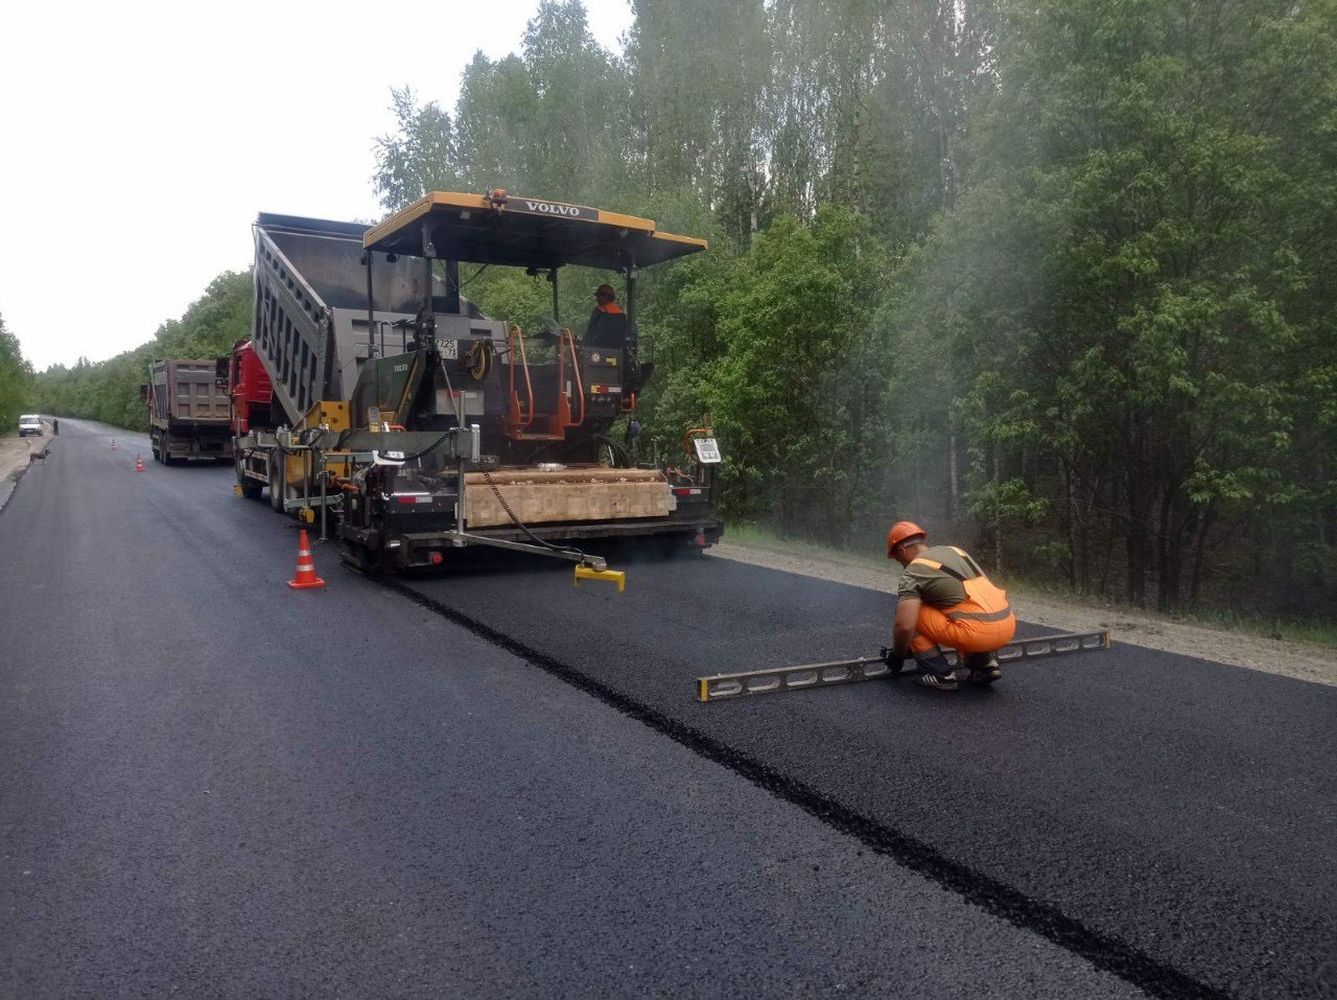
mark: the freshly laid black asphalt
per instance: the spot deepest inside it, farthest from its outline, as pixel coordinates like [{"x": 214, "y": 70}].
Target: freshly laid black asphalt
[
  {"x": 490, "y": 783},
  {"x": 1173, "y": 820}
]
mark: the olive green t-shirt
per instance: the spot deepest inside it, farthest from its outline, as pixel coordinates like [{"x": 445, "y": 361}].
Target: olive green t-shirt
[{"x": 932, "y": 586}]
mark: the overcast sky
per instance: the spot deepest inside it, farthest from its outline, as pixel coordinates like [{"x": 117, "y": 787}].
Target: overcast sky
[{"x": 140, "y": 140}]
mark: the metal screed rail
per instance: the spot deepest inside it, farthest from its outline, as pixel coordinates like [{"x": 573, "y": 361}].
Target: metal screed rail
[{"x": 866, "y": 668}]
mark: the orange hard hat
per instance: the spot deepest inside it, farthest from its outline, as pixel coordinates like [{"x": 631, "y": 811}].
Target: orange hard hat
[{"x": 899, "y": 532}]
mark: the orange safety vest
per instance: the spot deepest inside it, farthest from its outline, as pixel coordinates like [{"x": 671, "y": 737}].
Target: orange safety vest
[{"x": 980, "y": 623}]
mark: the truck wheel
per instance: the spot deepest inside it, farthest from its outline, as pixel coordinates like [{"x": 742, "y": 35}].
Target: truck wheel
[
  {"x": 250, "y": 489},
  {"x": 275, "y": 485}
]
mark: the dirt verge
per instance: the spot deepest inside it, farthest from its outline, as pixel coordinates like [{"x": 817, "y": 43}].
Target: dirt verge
[
  {"x": 15, "y": 452},
  {"x": 1303, "y": 661}
]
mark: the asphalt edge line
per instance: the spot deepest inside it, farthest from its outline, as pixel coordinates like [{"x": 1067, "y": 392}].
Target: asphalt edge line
[{"x": 1105, "y": 952}]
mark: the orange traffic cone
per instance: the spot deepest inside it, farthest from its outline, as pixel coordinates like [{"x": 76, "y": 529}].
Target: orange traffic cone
[
  {"x": 306, "y": 577},
  {"x": 139, "y": 464}
]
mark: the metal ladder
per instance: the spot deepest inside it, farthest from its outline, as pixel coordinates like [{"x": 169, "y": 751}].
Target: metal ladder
[{"x": 520, "y": 415}]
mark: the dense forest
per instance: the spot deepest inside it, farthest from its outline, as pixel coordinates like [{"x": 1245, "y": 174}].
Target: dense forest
[{"x": 1055, "y": 279}]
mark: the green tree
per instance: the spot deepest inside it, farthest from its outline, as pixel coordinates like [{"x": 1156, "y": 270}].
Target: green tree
[
  {"x": 699, "y": 72},
  {"x": 420, "y": 156},
  {"x": 1130, "y": 294},
  {"x": 552, "y": 122},
  {"x": 790, "y": 373},
  {"x": 16, "y": 378}
]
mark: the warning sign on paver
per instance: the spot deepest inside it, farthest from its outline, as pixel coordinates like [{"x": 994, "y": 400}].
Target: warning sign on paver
[{"x": 707, "y": 451}]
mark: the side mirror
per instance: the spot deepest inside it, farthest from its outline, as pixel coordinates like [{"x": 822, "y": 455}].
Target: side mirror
[
  {"x": 221, "y": 368},
  {"x": 143, "y": 392}
]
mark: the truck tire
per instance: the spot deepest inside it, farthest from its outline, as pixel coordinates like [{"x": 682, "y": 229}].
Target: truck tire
[
  {"x": 276, "y": 488},
  {"x": 250, "y": 489}
]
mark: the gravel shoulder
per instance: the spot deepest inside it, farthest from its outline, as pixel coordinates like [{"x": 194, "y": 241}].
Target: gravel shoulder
[
  {"x": 1302, "y": 661},
  {"x": 14, "y": 452}
]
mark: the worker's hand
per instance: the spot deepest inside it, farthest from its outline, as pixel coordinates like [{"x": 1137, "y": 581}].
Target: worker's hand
[{"x": 894, "y": 660}]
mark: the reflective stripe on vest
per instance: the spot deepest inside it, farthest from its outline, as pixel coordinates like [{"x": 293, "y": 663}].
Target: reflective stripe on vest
[{"x": 984, "y": 602}]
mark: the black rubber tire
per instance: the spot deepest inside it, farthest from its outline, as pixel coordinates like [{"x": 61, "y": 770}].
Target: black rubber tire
[
  {"x": 275, "y": 483},
  {"x": 250, "y": 489}
]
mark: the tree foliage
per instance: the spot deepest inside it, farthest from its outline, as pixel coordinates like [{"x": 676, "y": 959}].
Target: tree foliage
[
  {"x": 786, "y": 373},
  {"x": 1128, "y": 293},
  {"x": 16, "y": 380}
]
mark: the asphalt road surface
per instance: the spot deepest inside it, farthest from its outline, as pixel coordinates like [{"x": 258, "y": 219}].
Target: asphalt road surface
[{"x": 489, "y": 783}]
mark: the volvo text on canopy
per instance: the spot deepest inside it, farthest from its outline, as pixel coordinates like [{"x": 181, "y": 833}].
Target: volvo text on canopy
[{"x": 372, "y": 391}]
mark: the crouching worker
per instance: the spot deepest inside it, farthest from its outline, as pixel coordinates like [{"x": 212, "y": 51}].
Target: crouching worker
[{"x": 944, "y": 601}]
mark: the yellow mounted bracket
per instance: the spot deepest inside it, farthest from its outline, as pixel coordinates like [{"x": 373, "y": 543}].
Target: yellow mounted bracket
[
  {"x": 236, "y": 489},
  {"x": 611, "y": 575}
]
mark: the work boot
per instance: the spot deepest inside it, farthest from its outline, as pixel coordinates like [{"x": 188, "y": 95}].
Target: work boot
[
  {"x": 938, "y": 682},
  {"x": 934, "y": 670},
  {"x": 983, "y": 668}
]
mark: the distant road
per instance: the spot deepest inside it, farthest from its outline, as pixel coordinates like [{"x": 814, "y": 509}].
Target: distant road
[{"x": 494, "y": 784}]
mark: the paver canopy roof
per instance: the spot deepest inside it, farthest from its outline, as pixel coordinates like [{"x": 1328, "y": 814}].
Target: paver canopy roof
[{"x": 525, "y": 232}]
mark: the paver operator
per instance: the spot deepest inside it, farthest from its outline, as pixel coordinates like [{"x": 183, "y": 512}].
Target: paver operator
[
  {"x": 607, "y": 327},
  {"x": 945, "y": 600}
]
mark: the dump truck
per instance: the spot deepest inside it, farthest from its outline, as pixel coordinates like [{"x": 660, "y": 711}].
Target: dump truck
[
  {"x": 372, "y": 398},
  {"x": 189, "y": 410}
]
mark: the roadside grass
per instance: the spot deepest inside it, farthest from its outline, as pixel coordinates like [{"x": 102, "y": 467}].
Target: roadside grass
[
  {"x": 754, "y": 537},
  {"x": 1317, "y": 632}
]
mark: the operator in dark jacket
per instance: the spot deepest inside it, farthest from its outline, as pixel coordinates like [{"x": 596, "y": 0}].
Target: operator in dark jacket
[
  {"x": 607, "y": 327},
  {"x": 944, "y": 599}
]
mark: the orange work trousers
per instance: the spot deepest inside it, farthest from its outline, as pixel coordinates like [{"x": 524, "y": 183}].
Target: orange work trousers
[
  {"x": 965, "y": 635},
  {"x": 982, "y": 623}
]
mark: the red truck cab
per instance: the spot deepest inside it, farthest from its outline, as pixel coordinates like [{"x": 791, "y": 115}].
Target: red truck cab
[{"x": 250, "y": 391}]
